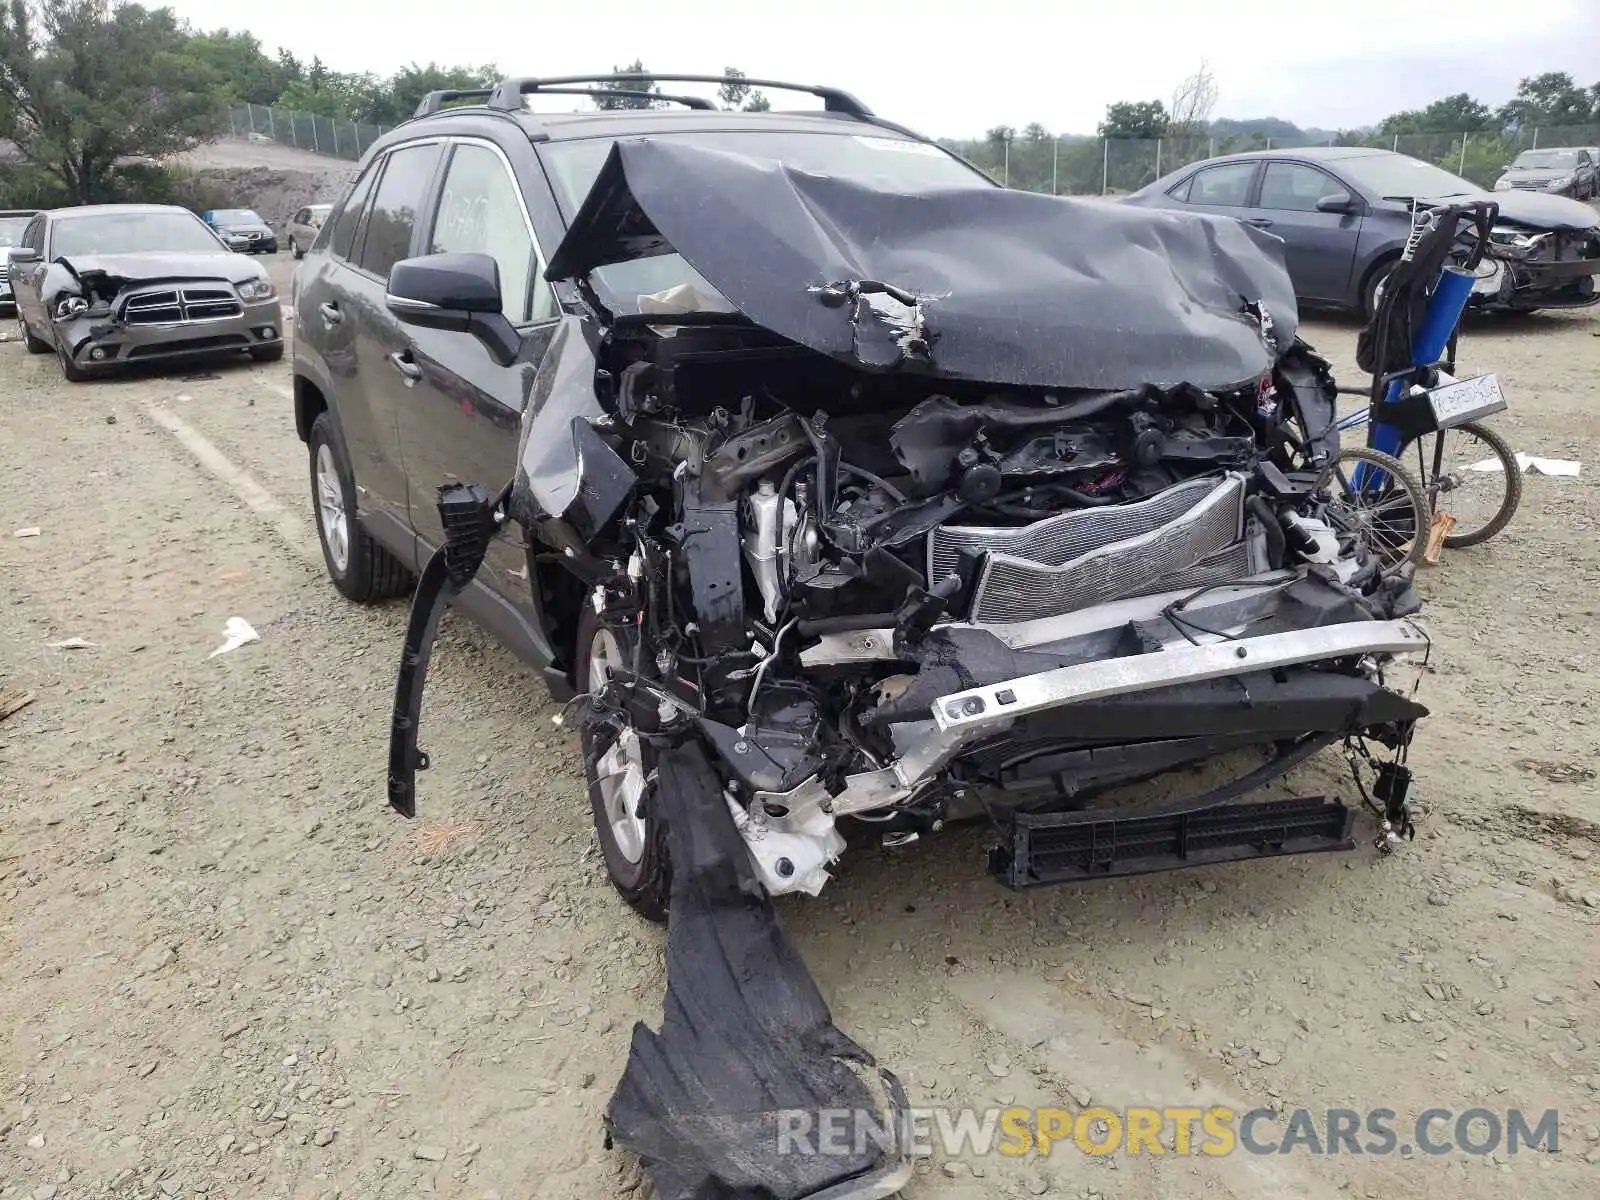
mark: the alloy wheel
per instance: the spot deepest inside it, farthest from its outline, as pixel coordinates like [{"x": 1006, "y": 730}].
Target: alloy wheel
[
  {"x": 330, "y": 505},
  {"x": 619, "y": 770}
]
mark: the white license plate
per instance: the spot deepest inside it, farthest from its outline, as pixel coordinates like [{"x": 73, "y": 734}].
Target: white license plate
[{"x": 1466, "y": 400}]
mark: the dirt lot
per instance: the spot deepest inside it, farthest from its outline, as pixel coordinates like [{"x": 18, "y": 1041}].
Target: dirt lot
[{"x": 233, "y": 972}]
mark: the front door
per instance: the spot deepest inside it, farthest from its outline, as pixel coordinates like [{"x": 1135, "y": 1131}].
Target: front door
[
  {"x": 462, "y": 418},
  {"x": 1318, "y": 247}
]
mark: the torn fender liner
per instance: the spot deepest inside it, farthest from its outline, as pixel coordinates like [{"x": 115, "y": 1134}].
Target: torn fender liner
[
  {"x": 746, "y": 1041},
  {"x": 1004, "y": 287}
]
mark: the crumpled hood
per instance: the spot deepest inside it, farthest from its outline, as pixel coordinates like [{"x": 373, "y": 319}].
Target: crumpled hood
[
  {"x": 1540, "y": 210},
  {"x": 982, "y": 284},
  {"x": 156, "y": 267}
]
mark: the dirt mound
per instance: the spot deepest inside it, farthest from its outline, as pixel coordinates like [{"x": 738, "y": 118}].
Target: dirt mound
[{"x": 272, "y": 179}]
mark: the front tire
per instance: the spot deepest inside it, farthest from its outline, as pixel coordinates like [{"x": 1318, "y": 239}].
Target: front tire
[
  {"x": 1369, "y": 293},
  {"x": 358, "y": 566},
  {"x": 1389, "y": 517},
  {"x": 265, "y": 354},
  {"x": 70, "y": 370},
  {"x": 294, "y": 249},
  {"x": 34, "y": 345},
  {"x": 619, "y": 766}
]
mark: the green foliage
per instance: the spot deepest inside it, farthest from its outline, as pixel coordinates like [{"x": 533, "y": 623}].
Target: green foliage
[
  {"x": 740, "y": 95},
  {"x": 1551, "y": 99},
  {"x": 636, "y": 67},
  {"x": 1134, "y": 119},
  {"x": 88, "y": 83},
  {"x": 1452, "y": 114},
  {"x": 247, "y": 74}
]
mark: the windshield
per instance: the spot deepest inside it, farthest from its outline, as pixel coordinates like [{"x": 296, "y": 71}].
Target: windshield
[
  {"x": 1396, "y": 177},
  {"x": 888, "y": 163},
  {"x": 11, "y": 230},
  {"x": 237, "y": 216},
  {"x": 1547, "y": 159},
  {"x": 132, "y": 233}
]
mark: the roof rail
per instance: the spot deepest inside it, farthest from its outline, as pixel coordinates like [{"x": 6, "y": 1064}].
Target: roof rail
[
  {"x": 508, "y": 96},
  {"x": 434, "y": 101},
  {"x": 698, "y": 102}
]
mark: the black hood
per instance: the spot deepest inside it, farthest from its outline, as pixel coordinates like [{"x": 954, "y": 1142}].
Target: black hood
[
  {"x": 1544, "y": 210},
  {"x": 981, "y": 284}
]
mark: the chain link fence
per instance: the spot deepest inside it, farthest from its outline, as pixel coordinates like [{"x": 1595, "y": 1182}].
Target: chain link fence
[
  {"x": 1063, "y": 166},
  {"x": 320, "y": 135},
  {"x": 1116, "y": 166}
]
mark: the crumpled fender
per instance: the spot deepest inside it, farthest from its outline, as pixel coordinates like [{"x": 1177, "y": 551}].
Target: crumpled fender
[{"x": 745, "y": 1036}]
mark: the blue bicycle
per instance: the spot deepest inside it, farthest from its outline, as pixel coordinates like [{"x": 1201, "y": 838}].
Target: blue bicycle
[{"x": 1468, "y": 476}]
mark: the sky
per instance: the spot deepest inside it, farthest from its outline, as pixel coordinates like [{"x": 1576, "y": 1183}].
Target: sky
[{"x": 955, "y": 69}]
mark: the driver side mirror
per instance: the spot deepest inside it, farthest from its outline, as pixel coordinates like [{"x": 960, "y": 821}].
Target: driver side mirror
[
  {"x": 1338, "y": 202},
  {"x": 24, "y": 254},
  {"x": 455, "y": 292}
]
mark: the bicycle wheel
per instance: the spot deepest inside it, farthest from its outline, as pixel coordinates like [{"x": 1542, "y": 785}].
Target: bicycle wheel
[
  {"x": 1482, "y": 502},
  {"x": 1381, "y": 505}
]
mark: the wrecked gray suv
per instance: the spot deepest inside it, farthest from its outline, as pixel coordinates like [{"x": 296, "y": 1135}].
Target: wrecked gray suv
[
  {"x": 116, "y": 285},
  {"x": 840, "y": 494}
]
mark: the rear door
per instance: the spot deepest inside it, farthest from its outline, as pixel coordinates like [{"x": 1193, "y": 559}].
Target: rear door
[
  {"x": 334, "y": 307},
  {"x": 1319, "y": 247},
  {"x": 460, "y": 418},
  {"x": 382, "y": 345}
]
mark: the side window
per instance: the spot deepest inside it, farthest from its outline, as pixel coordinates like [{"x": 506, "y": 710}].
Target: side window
[
  {"x": 1227, "y": 185},
  {"x": 1295, "y": 187},
  {"x": 302, "y": 216},
  {"x": 1180, "y": 191},
  {"x": 344, "y": 229},
  {"x": 395, "y": 203},
  {"x": 480, "y": 212}
]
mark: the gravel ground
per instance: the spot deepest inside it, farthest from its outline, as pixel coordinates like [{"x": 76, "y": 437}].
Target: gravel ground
[{"x": 235, "y": 973}]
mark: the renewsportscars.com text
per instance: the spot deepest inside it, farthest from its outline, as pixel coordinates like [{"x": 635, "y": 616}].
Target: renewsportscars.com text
[{"x": 1214, "y": 1131}]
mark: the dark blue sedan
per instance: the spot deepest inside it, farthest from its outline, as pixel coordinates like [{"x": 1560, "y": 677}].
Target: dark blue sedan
[{"x": 1343, "y": 213}]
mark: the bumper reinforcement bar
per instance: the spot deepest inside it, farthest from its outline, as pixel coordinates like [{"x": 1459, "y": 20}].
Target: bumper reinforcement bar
[{"x": 962, "y": 715}]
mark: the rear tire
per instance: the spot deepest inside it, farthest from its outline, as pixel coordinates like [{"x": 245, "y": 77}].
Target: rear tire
[
  {"x": 358, "y": 566},
  {"x": 1509, "y": 471},
  {"x": 633, "y": 839},
  {"x": 34, "y": 345}
]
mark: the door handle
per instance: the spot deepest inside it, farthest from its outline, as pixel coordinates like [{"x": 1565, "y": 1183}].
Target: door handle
[
  {"x": 330, "y": 314},
  {"x": 1258, "y": 222},
  {"x": 401, "y": 361}
]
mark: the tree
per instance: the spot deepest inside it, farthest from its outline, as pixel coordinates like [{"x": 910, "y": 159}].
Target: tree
[
  {"x": 248, "y": 75},
  {"x": 92, "y": 82},
  {"x": 404, "y": 90},
  {"x": 736, "y": 94},
  {"x": 1548, "y": 99},
  {"x": 1453, "y": 114},
  {"x": 1135, "y": 119},
  {"x": 1193, "y": 102},
  {"x": 646, "y": 84},
  {"x": 339, "y": 97}
]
